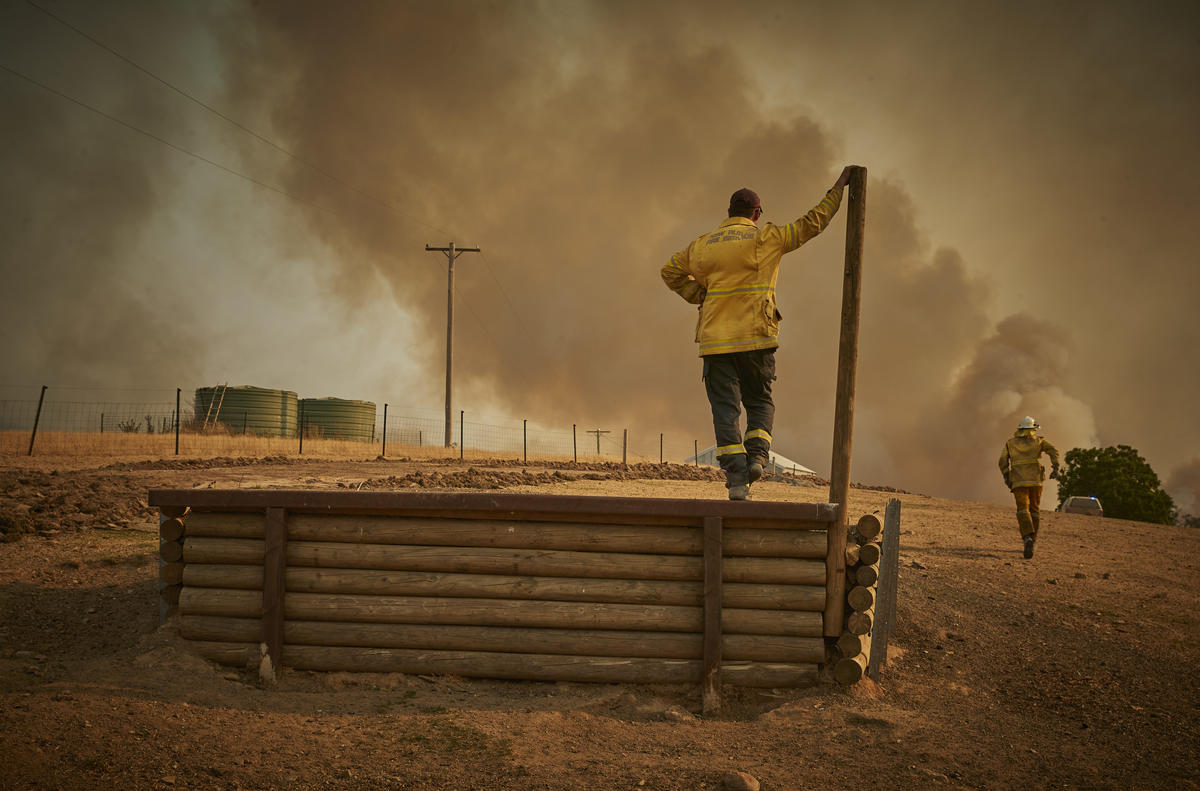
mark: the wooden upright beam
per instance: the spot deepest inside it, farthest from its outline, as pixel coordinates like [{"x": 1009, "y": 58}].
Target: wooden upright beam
[
  {"x": 713, "y": 576},
  {"x": 889, "y": 580},
  {"x": 274, "y": 574},
  {"x": 843, "y": 419}
]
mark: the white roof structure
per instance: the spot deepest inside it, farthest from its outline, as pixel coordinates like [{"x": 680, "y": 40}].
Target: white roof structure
[{"x": 780, "y": 464}]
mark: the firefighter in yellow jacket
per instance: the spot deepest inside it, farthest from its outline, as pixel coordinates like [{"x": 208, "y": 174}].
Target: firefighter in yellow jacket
[
  {"x": 1021, "y": 466},
  {"x": 731, "y": 273}
]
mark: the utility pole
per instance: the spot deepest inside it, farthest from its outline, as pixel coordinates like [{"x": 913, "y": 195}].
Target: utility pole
[
  {"x": 451, "y": 254},
  {"x": 598, "y": 432}
]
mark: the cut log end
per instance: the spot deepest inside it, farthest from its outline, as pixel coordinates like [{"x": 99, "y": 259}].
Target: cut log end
[
  {"x": 869, "y": 527},
  {"x": 850, "y": 670}
]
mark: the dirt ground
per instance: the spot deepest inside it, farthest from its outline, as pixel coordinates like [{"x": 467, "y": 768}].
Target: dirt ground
[{"x": 1076, "y": 669}]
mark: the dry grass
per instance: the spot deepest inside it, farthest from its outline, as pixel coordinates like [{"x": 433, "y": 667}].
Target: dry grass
[{"x": 78, "y": 448}]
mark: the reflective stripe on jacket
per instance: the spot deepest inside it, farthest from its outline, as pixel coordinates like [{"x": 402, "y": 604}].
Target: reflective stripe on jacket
[
  {"x": 731, "y": 273},
  {"x": 1019, "y": 461}
]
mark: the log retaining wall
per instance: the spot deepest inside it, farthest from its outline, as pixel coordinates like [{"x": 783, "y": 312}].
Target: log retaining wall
[{"x": 633, "y": 590}]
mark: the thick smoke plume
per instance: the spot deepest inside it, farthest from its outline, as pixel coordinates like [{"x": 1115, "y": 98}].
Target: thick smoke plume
[{"x": 1029, "y": 249}]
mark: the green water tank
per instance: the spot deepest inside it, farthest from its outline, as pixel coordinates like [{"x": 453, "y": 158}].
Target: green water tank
[
  {"x": 338, "y": 418},
  {"x": 246, "y": 409}
]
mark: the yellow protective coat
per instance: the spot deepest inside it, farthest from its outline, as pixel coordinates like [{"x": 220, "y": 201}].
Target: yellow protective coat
[
  {"x": 731, "y": 273},
  {"x": 1019, "y": 461}
]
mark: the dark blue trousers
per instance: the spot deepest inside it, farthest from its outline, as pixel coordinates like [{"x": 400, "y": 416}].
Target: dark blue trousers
[{"x": 732, "y": 381}]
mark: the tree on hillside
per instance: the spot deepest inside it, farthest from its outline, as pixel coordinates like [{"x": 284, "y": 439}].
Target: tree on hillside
[
  {"x": 1120, "y": 478},
  {"x": 1186, "y": 520}
]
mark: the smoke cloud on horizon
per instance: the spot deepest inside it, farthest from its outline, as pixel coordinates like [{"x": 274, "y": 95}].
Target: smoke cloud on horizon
[{"x": 579, "y": 148}]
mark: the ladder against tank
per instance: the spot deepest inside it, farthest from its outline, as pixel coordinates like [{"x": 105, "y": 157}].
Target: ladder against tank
[{"x": 245, "y": 409}]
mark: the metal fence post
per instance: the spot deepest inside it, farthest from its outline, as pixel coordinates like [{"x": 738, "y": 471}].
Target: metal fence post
[
  {"x": 462, "y": 440},
  {"x": 178, "y": 391},
  {"x": 384, "y": 451},
  {"x": 36, "y": 419},
  {"x": 525, "y": 440},
  {"x": 574, "y": 444}
]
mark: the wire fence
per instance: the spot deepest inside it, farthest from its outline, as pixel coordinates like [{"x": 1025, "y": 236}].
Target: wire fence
[{"x": 201, "y": 428}]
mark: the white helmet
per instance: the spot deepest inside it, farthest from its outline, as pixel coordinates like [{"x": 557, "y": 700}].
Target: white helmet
[{"x": 1028, "y": 422}]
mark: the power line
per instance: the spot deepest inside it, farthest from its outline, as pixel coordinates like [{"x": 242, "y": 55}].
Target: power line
[
  {"x": 504, "y": 294},
  {"x": 182, "y": 150},
  {"x": 163, "y": 141},
  {"x": 262, "y": 138},
  {"x": 244, "y": 128}
]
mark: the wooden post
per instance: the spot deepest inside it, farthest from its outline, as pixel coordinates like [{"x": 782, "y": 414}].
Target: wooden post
[
  {"x": 383, "y": 452},
  {"x": 885, "y": 603},
  {"x": 170, "y": 554},
  {"x": 713, "y": 578},
  {"x": 525, "y": 440},
  {"x": 843, "y": 418},
  {"x": 274, "y": 573},
  {"x": 178, "y": 391},
  {"x": 574, "y": 445},
  {"x": 625, "y": 449}
]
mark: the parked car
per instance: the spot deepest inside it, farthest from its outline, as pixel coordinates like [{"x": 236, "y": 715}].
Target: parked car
[{"x": 1082, "y": 505}]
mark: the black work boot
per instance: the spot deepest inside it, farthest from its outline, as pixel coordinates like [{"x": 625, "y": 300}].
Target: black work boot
[
  {"x": 734, "y": 466},
  {"x": 1028, "y": 538},
  {"x": 739, "y": 491},
  {"x": 755, "y": 471}
]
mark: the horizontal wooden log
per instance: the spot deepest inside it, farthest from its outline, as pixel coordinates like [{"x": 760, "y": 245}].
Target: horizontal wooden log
[
  {"x": 662, "y": 645},
  {"x": 868, "y": 554},
  {"x": 172, "y": 573},
  {"x": 861, "y": 598},
  {"x": 170, "y": 551},
  {"x": 531, "y": 667},
  {"x": 866, "y": 576},
  {"x": 809, "y": 598},
  {"x": 486, "y": 560},
  {"x": 491, "y": 505},
  {"x": 497, "y": 612},
  {"x": 171, "y": 594},
  {"x": 854, "y": 644},
  {"x": 848, "y": 670},
  {"x": 170, "y": 529},
  {"x": 868, "y": 528},
  {"x": 509, "y": 534},
  {"x": 172, "y": 511},
  {"x": 860, "y": 622}
]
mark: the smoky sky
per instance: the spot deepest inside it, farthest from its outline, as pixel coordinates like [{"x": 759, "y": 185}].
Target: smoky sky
[{"x": 1031, "y": 229}]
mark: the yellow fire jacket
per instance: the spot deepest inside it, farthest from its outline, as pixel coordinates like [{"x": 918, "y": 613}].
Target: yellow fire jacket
[
  {"x": 731, "y": 273},
  {"x": 1019, "y": 461}
]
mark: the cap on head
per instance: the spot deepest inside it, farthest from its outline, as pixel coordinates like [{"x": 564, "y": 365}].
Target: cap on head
[
  {"x": 744, "y": 199},
  {"x": 1028, "y": 422}
]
